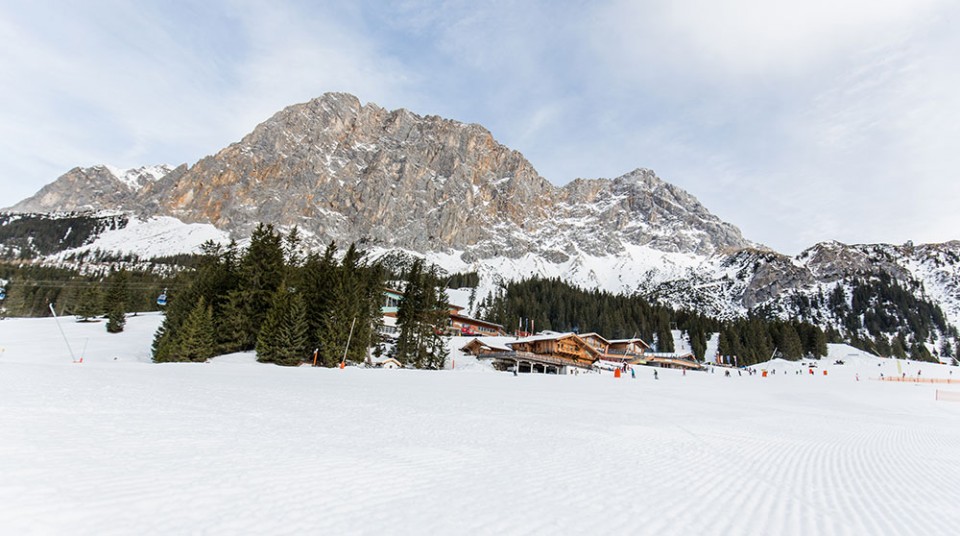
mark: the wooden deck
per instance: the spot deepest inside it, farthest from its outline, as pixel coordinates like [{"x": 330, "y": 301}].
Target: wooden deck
[{"x": 543, "y": 359}]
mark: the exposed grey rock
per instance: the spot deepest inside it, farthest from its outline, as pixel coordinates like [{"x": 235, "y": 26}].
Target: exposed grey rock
[
  {"x": 93, "y": 188},
  {"x": 348, "y": 172}
]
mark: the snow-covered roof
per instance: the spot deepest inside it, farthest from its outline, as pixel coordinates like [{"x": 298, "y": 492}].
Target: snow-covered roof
[
  {"x": 668, "y": 355},
  {"x": 542, "y": 337},
  {"x": 622, "y": 341},
  {"x": 494, "y": 343}
]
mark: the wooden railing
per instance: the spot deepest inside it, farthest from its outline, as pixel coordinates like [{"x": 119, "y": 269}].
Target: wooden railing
[{"x": 535, "y": 358}]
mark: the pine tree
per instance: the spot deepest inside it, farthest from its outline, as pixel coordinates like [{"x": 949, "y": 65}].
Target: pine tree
[
  {"x": 422, "y": 317},
  {"x": 195, "y": 342},
  {"x": 261, "y": 271},
  {"x": 316, "y": 282},
  {"x": 790, "y": 346},
  {"x": 664, "y": 335},
  {"x": 233, "y": 324},
  {"x": 283, "y": 335},
  {"x": 88, "y": 303},
  {"x": 116, "y": 301},
  {"x": 436, "y": 320},
  {"x": 819, "y": 343}
]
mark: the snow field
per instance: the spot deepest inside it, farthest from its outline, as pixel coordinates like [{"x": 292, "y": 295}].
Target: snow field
[{"x": 126, "y": 447}]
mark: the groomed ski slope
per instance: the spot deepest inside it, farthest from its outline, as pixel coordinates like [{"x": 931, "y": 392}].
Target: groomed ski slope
[{"x": 234, "y": 447}]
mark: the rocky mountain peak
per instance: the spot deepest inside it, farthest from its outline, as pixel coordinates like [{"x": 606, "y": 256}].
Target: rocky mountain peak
[
  {"x": 347, "y": 171},
  {"x": 100, "y": 187}
]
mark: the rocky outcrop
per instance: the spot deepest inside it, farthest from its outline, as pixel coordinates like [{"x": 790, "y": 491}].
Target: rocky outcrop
[{"x": 93, "y": 188}]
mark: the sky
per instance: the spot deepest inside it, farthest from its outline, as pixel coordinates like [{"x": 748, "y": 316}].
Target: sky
[{"x": 798, "y": 122}]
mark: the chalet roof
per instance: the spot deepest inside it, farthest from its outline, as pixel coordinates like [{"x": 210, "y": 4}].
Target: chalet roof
[
  {"x": 554, "y": 337},
  {"x": 493, "y": 343},
  {"x": 669, "y": 355},
  {"x": 542, "y": 337},
  {"x": 476, "y": 320},
  {"x": 628, "y": 341},
  {"x": 594, "y": 335}
]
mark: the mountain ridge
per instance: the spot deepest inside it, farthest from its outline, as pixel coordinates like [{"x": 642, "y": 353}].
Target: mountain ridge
[{"x": 394, "y": 180}]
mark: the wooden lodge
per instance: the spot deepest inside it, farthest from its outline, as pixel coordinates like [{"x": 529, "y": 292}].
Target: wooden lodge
[
  {"x": 626, "y": 349},
  {"x": 597, "y": 341},
  {"x": 464, "y": 325},
  {"x": 559, "y": 353}
]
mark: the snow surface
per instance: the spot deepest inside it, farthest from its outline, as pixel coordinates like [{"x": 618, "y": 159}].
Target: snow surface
[
  {"x": 128, "y": 447},
  {"x": 153, "y": 237},
  {"x": 135, "y": 178}
]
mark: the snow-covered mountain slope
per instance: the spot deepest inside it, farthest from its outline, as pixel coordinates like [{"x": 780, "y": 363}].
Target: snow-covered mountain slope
[
  {"x": 94, "y": 188},
  {"x": 158, "y": 236},
  {"x": 136, "y": 178}
]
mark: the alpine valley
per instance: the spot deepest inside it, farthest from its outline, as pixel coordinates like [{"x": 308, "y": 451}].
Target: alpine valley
[{"x": 398, "y": 182}]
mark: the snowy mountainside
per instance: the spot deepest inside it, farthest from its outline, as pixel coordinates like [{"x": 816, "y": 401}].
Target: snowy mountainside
[
  {"x": 862, "y": 291},
  {"x": 30, "y": 236},
  {"x": 136, "y": 178},
  {"x": 157, "y": 236},
  {"x": 93, "y": 188}
]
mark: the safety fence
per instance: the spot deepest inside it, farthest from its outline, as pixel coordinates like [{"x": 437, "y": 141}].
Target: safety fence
[{"x": 915, "y": 379}]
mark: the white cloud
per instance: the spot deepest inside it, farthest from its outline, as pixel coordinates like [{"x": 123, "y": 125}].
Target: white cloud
[{"x": 132, "y": 84}]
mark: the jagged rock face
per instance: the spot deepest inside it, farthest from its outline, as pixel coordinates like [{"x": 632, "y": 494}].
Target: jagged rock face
[
  {"x": 348, "y": 172},
  {"x": 645, "y": 210},
  {"x": 766, "y": 275},
  {"x": 830, "y": 261},
  {"x": 94, "y": 188}
]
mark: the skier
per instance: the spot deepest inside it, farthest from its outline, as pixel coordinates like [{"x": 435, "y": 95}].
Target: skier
[
  {"x": 655, "y": 375},
  {"x": 633, "y": 373}
]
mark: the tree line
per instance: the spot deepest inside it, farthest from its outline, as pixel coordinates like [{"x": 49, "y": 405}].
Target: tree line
[
  {"x": 31, "y": 289},
  {"x": 882, "y": 316},
  {"x": 552, "y": 304},
  {"x": 293, "y": 308}
]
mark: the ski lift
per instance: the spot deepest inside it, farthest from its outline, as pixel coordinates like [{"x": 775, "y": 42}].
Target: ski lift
[
  {"x": 162, "y": 298},
  {"x": 3, "y": 293}
]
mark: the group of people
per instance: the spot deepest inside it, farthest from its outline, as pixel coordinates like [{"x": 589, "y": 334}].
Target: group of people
[{"x": 633, "y": 372}]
